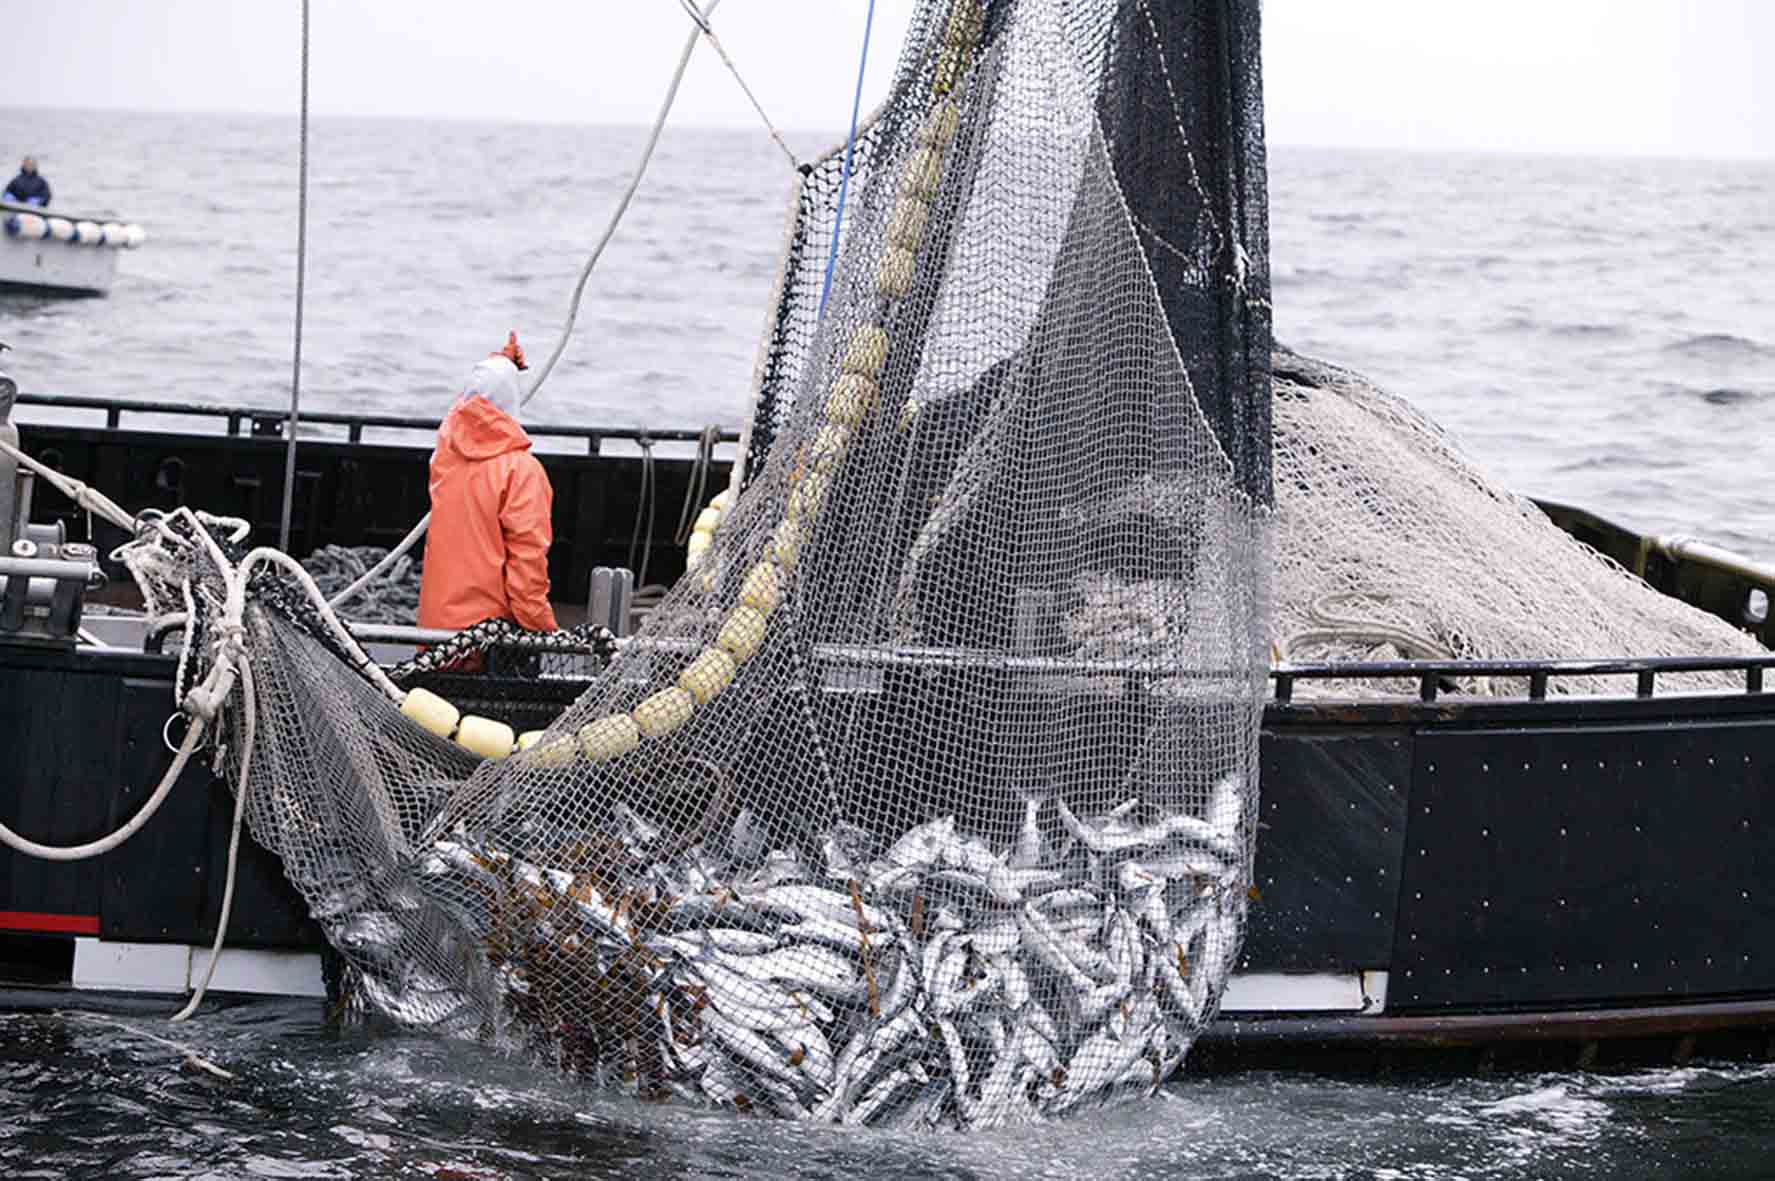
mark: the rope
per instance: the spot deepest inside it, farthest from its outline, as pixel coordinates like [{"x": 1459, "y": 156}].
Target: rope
[
  {"x": 702, "y": 23},
  {"x": 189, "y": 1054},
  {"x": 850, "y": 147},
  {"x": 699, "y": 483},
  {"x": 88, "y": 498},
  {"x": 585, "y": 272},
  {"x": 105, "y": 844},
  {"x": 250, "y": 713},
  {"x": 283, "y": 528},
  {"x": 645, "y": 504}
]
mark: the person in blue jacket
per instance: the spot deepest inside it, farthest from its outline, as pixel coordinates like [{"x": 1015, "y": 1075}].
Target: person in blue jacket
[{"x": 28, "y": 187}]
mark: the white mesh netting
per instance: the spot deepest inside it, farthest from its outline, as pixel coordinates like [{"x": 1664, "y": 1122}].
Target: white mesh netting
[
  {"x": 1392, "y": 545},
  {"x": 928, "y": 796}
]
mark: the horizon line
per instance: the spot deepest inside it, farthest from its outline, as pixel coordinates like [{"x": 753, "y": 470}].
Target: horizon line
[{"x": 1569, "y": 152}]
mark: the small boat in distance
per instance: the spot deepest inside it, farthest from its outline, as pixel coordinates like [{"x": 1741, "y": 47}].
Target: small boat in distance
[{"x": 50, "y": 252}]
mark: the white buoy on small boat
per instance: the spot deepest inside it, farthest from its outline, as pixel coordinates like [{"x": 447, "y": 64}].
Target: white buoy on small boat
[{"x": 28, "y": 226}]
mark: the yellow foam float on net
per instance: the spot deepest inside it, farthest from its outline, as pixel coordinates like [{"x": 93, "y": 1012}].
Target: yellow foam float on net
[
  {"x": 894, "y": 278},
  {"x": 784, "y": 546},
  {"x": 853, "y": 396},
  {"x": 485, "y": 737},
  {"x": 432, "y": 712},
  {"x": 866, "y": 351},
  {"x": 704, "y": 677},
  {"x": 741, "y": 634},
  {"x": 924, "y": 170},
  {"x": 558, "y": 753},
  {"x": 763, "y": 588},
  {"x": 665, "y": 711},
  {"x": 609, "y": 737},
  {"x": 906, "y": 225}
]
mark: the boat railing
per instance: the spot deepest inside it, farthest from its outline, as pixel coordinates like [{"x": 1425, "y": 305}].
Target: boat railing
[
  {"x": 1432, "y": 676},
  {"x": 269, "y": 423}
]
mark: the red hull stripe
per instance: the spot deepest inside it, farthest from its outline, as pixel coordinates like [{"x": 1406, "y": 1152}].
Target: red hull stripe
[{"x": 60, "y": 924}]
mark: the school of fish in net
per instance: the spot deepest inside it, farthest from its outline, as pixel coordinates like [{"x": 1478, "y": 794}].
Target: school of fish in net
[{"x": 976, "y": 987}]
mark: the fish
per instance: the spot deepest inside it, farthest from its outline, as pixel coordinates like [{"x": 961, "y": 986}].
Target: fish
[
  {"x": 374, "y": 939},
  {"x": 923, "y": 845},
  {"x": 803, "y": 966},
  {"x": 1028, "y": 850},
  {"x": 885, "y": 1093},
  {"x": 1226, "y": 805},
  {"x": 754, "y": 1055}
]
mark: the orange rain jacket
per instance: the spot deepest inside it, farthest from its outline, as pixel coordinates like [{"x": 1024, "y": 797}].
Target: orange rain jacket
[{"x": 486, "y": 555}]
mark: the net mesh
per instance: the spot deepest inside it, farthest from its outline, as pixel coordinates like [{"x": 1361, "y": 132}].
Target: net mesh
[
  {"x": 928, "y": 796},
  {"x": 1392, "y": 545}
]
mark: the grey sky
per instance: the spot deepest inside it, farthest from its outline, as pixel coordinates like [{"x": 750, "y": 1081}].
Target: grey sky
[{"x": 1606, "y": 76}]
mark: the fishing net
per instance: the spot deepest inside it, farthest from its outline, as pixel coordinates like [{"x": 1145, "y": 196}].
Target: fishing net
[
  {"x": 1392, "y": 545},
  {"x": 927, "y": 797}
]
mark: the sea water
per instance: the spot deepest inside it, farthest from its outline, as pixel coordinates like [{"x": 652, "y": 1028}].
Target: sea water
[{"x": 1599, "y": 332}]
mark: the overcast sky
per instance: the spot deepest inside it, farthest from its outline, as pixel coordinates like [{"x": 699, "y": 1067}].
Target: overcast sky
[{"x": 1600, "y": 76}]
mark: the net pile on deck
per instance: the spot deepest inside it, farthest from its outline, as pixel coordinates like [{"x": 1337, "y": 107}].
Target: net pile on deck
[
  {"x": 928, "y": 795},
  {"x": 1391, "y": 545}
]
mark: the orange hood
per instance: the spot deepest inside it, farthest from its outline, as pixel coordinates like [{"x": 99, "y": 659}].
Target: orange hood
[{"x": 477, "y": 429}]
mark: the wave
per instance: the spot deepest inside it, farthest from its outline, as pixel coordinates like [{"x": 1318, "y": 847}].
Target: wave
[
  {"x": 1719, "y": 395},
  {"x": 1720, "y": 346}
]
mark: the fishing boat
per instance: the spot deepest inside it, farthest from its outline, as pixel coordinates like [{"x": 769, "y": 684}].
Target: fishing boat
[
  {"x": 1532, "y": 878},
  {"x": 50, "y": 252},
  {"x": 1490, "y": 856}
]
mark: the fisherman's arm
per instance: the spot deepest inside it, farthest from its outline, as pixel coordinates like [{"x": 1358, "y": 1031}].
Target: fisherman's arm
[{"x": 524, "y": 518}]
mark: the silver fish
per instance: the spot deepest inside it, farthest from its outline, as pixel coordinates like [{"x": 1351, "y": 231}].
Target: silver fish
[
  {"x": 1226, "y": 805},
  {"x": 922, "y": 845},
  {"x": 876, "y": 1100},
  {"x": 1028, "y": 851},
  {"x": 807, "y": 966}
]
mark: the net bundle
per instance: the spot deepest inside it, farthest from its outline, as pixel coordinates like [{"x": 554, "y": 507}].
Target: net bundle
[
  {"x": 1391, "y": 544},
  {"x": 928, "y": 796}
]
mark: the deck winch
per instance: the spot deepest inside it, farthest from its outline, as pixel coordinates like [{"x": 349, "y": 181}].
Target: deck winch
[{"x": 43, "y": 577}]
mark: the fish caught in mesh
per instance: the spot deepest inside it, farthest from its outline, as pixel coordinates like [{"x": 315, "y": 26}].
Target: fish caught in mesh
[{"x": 980, "y": 986}]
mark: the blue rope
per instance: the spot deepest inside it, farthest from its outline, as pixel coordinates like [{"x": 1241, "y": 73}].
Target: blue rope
[{"x": 850, "y": 147}]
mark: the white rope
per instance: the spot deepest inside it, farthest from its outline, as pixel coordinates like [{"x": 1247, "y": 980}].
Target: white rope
[
  {"x": 249, "y": 704},
  {"x": 585, "y": 273},
  {"x": 189, "y": 1054},
  {"x": 103, "y": 845},
  {"x": 88, "y": 498},
  {"x": 708, "y": 30}
]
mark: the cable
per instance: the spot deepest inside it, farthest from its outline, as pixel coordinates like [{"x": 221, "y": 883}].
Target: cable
[
  {"x": 702, "y": 23},
  {"x": 283, "y": 528},
  {"x": 850, "y": 147},
  {"x": 585, "y": 272},
  {"x": 699, "y": 483}
]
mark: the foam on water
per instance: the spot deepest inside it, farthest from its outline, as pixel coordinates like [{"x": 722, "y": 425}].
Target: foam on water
[{"x": 83, "y": 1099}]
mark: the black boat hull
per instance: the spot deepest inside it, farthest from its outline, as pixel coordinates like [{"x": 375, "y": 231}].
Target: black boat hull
[{"x": 1432, "y": 875}]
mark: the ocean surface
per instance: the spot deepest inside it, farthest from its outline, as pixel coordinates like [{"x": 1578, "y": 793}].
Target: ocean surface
[{"x": 1595, "y": 331}]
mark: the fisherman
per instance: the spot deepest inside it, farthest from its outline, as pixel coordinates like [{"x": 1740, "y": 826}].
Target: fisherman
[
  {"x": 28, "y": 187},
  {"x": 486, "y": 556}
]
